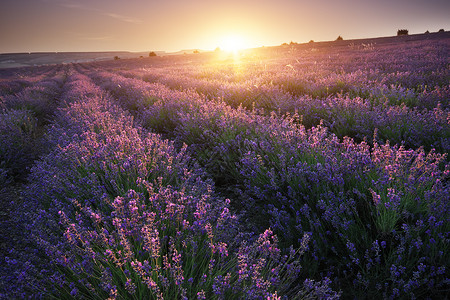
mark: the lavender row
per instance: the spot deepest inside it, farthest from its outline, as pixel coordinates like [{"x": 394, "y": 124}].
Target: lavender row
[
  {"x": 40, "y": 97},
  {"x": 414, "y": 76},
  {"x": 22, "y": 117},
  {"x": 22, "y": 133},
  {"x": 420, "y": 64},
  {"x": 138, "y": 218},
  {"x": 378, "y": 216},
  {"x": 341, "y": 192},
  {"x": 372, "y": 97},
  {"x": 345, "y": 116},
  {"x": 14, "y": 80},
  {"x": 155, "y": 105},
  {"x": 271, "y": 87}
]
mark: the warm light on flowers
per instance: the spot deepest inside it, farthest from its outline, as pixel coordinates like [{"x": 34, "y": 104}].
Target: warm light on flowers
[{"x": 300, "y": 171}]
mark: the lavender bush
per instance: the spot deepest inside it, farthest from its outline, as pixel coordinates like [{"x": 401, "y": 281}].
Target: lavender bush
[{"x": 352, "y": 199}]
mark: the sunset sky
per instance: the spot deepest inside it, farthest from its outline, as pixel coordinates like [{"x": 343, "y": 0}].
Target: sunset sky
[{"x": 172, "y": 25}]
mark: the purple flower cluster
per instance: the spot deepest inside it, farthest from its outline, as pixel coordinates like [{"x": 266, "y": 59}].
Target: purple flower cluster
[
  {"x": 349, "y": 196},
  {"x": 309, "y": 181},
  {"x": 289, "y": 173},
  {"x": 23, "y": 111},
  {"x": 117, "y": 211},
  {"x": 354, "y": 92}
]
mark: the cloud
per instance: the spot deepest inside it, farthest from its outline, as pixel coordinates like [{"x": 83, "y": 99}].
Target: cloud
[
  {"x": 98, "y": 38},
  {"x": 65, "y": 3},
  {"x": 73, "y": 5},
  {"x": 123, "y": 18}
]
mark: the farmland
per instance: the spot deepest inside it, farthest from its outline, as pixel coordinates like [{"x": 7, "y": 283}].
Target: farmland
[{"x": 314, "y": 170}]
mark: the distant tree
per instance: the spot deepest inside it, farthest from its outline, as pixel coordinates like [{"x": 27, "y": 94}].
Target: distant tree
[
  {"x": 116, "y": 57},
  {"x": 427, "y": 32},
  {"x": 441, "y": 30},
  {"x": 152, "y": 54},
  {"x": 196, "y": 51},
  {"x": 402, "y": 32},
  {"x": 293, "y": 43},
  {"x": 339, "y": 38},
  {"x": 311, "y": 41}
]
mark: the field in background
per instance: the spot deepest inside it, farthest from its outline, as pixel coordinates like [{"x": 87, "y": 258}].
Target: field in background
[
  {"x": 17, "y": 60},
  {"x": 306, "y": 170}
]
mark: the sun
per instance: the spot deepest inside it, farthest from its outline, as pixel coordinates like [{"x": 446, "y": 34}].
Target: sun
[{"x": 232, "y": 43}]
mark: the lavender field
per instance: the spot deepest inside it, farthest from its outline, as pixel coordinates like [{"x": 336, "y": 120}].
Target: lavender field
[{"x": 304, "y": 171}]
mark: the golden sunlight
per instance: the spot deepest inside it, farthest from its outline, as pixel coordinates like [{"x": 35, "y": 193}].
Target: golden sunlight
[{"x": 232, "y": 43}]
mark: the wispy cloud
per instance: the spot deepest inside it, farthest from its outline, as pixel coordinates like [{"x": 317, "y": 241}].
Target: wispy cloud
[
  {"x": 98, "y": 38},
  {"x": 90, "y": 37},
  {"x": 74, "y": 5},
  {"x": 65, "y": 3},
  {"x": 123, "y": 18}
]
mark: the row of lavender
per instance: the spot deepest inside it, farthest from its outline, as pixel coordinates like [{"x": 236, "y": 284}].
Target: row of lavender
[
  {"x": 397, "y": 76},
  {"x": 13, "y": 81},
  {"x": 378, "y": 216},
  {"x": 403, "y": 93},
  {"x": 115, "y": 211},
  {"x": 28, "y": 101},
  {"x": 26, "y": 104}
]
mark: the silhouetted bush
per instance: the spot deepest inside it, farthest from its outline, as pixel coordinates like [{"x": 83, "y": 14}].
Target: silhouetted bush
[
  {"x": 152, "y": 54},
  {"x": 402, "y": 32},
  {"x": 339, "y": 38},
  {"x": 196, "y": 51},
  {"x": 441, "y": 30},
  {"x": 116, "y": 57},
  {"x": 311, "y": 41},
  {"x": 427, "y": 32}
]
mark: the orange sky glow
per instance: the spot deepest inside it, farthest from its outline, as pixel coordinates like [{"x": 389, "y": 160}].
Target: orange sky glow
[{"x": 173, "y": 25}]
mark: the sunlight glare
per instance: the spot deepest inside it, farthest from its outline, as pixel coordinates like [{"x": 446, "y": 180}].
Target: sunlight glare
[{"x": 232, "y": 43}]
